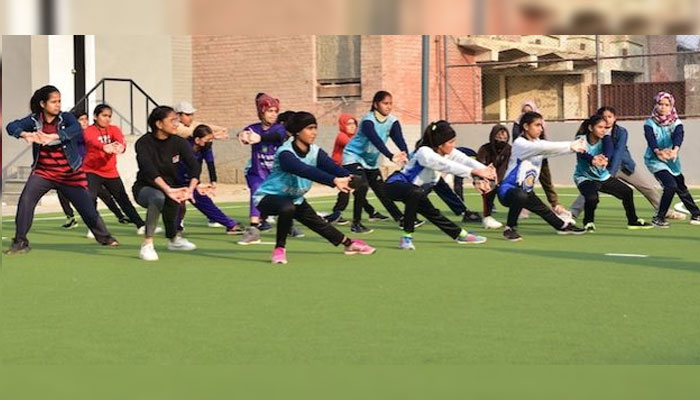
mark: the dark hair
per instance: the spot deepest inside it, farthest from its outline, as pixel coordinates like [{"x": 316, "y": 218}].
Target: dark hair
[
  {"x": 586, "y": 125},
  {"x": 79, "y": 112},
  {"x": 529, "y": 117},
  {"x": 603, "y": 109},
  {"x": 379, "y": 96},
  {"x": 284, "y": 116},
  {"x": 99, "y": 108},
  {"x": 158, "y": 114},
  {"x": 201, "y": 131},
  {"x": 41, "y": 94},
  {"x": 441, "y": 127}
]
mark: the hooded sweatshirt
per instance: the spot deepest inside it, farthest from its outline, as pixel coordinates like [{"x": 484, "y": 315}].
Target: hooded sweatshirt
[
  {"x": 343, "y": 137},
  {"x": 495, "y": 152}
]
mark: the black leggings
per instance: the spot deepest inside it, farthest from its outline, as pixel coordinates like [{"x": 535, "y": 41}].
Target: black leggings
[
  {"x": 287, "y": 211},
  {"x": 416, "y": 201},
  {"x": 516, "y": 199},
  {"x": 115, "y": 186},
  {"x": 370, "y": 178},
  {"x": 103, "y": 195},
  {"x": 589, "y": 189},
  {"x": 36, "y": 187},
  {"x": 342, "y": 203},
  {"x": 674, "y": 185}
]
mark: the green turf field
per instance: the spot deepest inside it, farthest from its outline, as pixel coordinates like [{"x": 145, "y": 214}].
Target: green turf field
[{"x": 547, "y": 299}]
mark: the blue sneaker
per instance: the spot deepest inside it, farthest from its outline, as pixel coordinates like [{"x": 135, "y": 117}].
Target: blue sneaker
[{"x": 406, "y": 243}]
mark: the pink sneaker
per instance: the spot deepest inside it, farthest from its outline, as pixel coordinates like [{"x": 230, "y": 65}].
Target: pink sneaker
[
  {"x": 279, "y": 255},
  {"x": 359, "y": 247}
]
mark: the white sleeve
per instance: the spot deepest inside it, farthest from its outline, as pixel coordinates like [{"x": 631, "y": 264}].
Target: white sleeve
[
  {"x": 461, "y": 158},
  {"x": 526, "y": 149},
  {"x": 429, "y": 159}
]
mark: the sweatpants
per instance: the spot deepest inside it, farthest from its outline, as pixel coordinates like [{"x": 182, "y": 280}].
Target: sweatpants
[
  {"x": 675, "y": 185},
  {"x": 589, "y": 189},
  {"x": 36, "y": 187},
  {"x": 156, "y": 202},
  {"x": 516, "y": 199},
  {"x": 416, "y": 201},
  {"x": 115, "y": 187},
  {"x": 370, "y": 178},
  {"x": 287, "y": 212}
]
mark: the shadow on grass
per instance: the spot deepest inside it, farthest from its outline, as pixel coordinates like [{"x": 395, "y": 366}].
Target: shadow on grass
[{"x": 652, "y": 261}]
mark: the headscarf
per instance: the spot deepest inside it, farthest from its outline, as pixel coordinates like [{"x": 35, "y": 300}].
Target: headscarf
[
  {"x": 343, "y": 123},
  {"x": 263, "y": 102},
  {"x": 532, "y": 105},
  {"x": 664, "y": 120}
]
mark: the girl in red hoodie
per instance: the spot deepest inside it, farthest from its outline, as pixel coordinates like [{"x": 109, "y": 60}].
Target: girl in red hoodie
[
  {"x": 103, "y": 142},
  {"x": 347, "y": 125}
]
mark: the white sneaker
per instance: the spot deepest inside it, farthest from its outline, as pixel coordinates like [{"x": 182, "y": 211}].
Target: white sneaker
[
  {"x": 181, "y": 244},
  {"x": 142, "y": 230},
  {"x": 214, "y": 225},
  {"x": 89, "y": 235},
  {"x": 491, "y": 223},
  {"x": 148, "y": 253}
]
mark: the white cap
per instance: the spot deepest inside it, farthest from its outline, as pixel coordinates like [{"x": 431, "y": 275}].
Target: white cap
[{"x": 184, "y": 107}]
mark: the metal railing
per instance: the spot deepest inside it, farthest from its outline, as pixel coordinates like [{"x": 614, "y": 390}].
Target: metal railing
[{"x": 84, "y": 102}]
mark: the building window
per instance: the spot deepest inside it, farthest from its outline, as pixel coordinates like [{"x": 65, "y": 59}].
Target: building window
[{"x": 338, "y": 66}]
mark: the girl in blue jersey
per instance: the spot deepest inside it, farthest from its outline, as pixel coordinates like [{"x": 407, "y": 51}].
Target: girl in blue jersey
[
  {"x": 435, "y": 154},
  {"x": 517, "y": 189},
  {"x": 297, "y": 163},
  {"x": 361, "y": 156},
  {"x": 592, "y": 175},
  {"x": 664, "y": 134}
]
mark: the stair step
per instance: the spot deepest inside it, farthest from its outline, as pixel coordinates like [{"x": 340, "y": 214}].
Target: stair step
[{"x": 14, "y": 185}]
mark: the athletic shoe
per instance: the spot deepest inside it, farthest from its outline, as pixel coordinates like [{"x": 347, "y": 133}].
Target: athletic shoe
[
  {"x": 18, "y": 248},
  {"x": 589, "y": 227},
  {"x": 571, "y": 229},
  {"x": 675, "y": 215},
  {"x": 89, "y": 234},
  {"x": 214, "y": 224},
  {"x": 471, "y": 216},
  {"x": 640, "y": 224},
  {"x": 471, "y": 238},
  {"x": 333, "y": 217},
  {"x": 567, "y": 217},
  {"x": 406, "y": 243},
  {"x": 416, "y": 224},
  {"x": 378, "y": 217},
  {"x": 148, "y": 252},
  {"x": 236, "y": 230},
  {"x": 296, "y": 232},
  {"x": 659, "y": 222},
  {"x": 491, "y": 223},
  {"x": 250, "y": 236},
  {"x": 127, "y": 221},
  {"x": 511, "y": 235},
  {"x": 279, "y": 255},
  {"x": 142, "y": 230},
  {"x": 357, "y": 227},
  {"x": 342, "y": 221},
  {"x": 112, "y": 242},
  {"x": 264, "y": 226},
  {"x": 359, "y": 247},
  {"x": 695, "y": 220},
  {"x": 70, "y": 223},
  {"x": 178, "y": 243}
]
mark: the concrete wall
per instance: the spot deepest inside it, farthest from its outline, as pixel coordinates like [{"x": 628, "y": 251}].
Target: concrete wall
[{"x": 17, "y": 51}]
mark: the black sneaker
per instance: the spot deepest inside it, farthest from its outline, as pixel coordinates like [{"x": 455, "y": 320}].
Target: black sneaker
[
  {"x": 70, "y": 223},
  {"x": 18, "y": 248},
  {"x": 659, "y": 222},
  {"x": 640, "y": 224},
  {"x": 357, "y": 227},
  {"x": 695, "y": 220},
  {"x": 125, "y": 221},
  {"x": 264, "y": 226},
  {"x": 342, "y": 221},
  {"x": 471, "y": 216},
  {"x": 571, "y": 229},
  {"x": 333, "y": 217},
  {"x": 296, "y": 232},
  {"x": 511, "y": 235},
  {"x": 377, "y": 216},
  {"x": 416, "y": 224}
]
